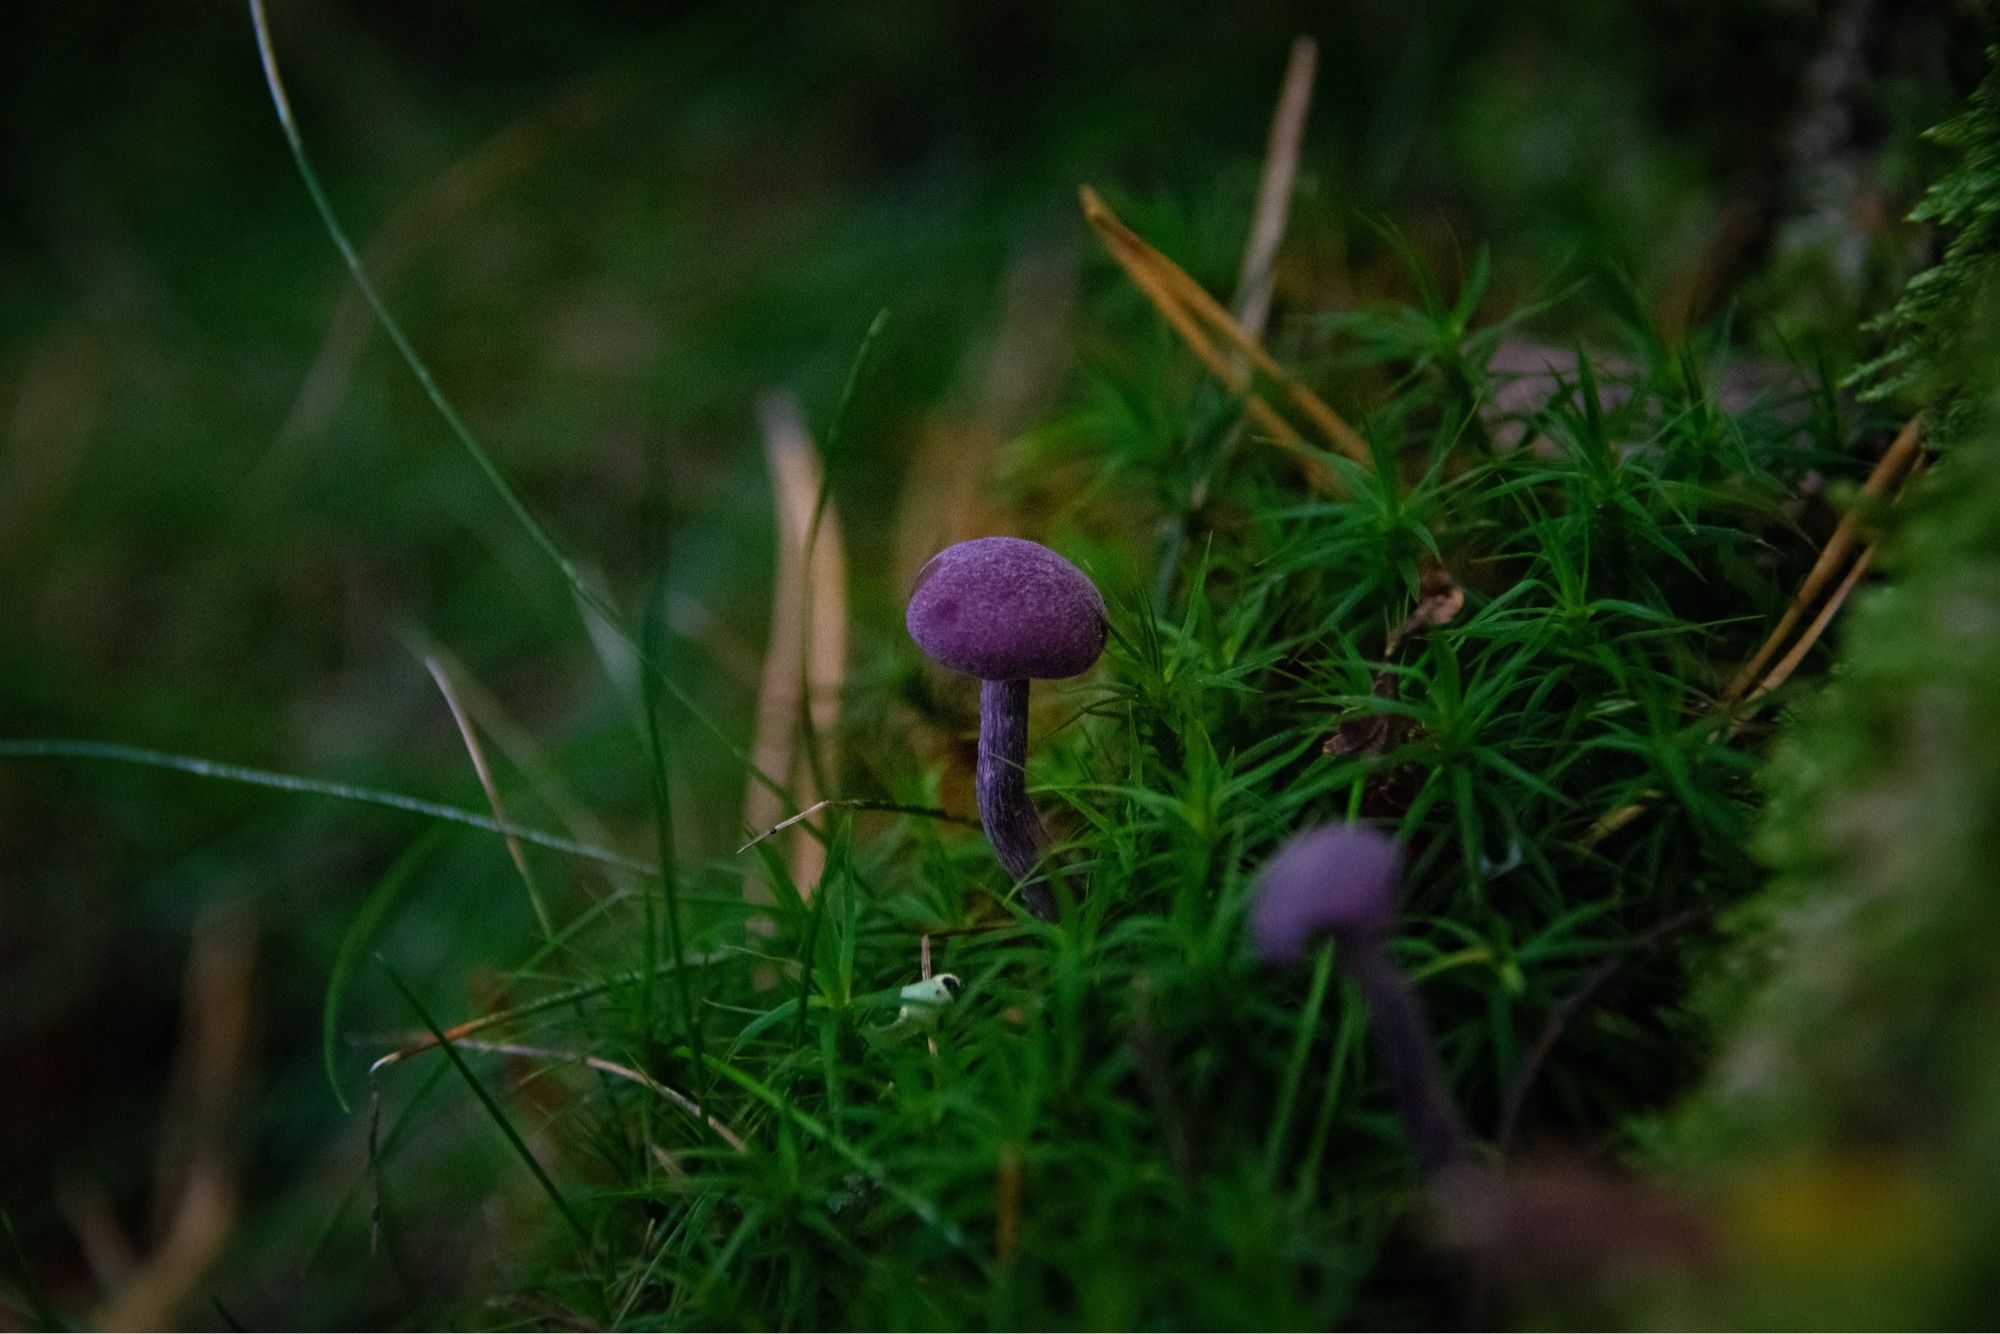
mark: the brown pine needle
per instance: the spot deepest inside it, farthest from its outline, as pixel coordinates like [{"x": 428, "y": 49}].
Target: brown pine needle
[
  {"x": 1902, "y": 461},
  {"x": 569, "y": 996},
  {"x": 1195, "y": 316},
  {"x": 1790, "y": 662},
  {"x": 1894, "y": 462},
  {"x": 1612, "y": 821},
  {"x": 616, "y": 1071}
]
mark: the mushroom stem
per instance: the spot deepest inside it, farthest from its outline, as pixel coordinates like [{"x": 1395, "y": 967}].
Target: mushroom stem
[
  {"x": 1011, "y": 823},
  {"x": 1403, "y": 1041}
]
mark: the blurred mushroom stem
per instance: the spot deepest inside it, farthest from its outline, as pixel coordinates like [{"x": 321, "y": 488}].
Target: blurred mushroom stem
[{"x": 1403, "y": 1042}]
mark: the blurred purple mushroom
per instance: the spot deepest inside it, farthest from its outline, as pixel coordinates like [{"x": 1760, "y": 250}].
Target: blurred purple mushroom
[
  {"x": 1008, "y": 611},
  {"x": 1345, "y": 881}
]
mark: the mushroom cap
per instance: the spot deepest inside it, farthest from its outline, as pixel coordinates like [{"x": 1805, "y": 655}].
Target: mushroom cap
[
  {"x": 1005, "y": 609},
  {"x": 1344, "y": 880}
]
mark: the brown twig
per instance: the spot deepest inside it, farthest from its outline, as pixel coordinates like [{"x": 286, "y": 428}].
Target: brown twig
[
  {"x": 427, "y": 1042},
  {"x": 857, "y": 804}
]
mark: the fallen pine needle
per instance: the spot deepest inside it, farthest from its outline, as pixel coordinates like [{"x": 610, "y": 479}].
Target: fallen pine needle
[
  {"x": 616, "y": 1071},
  {"x": 1196, "y": 315},
  {"x": 1894, "y": 462}
]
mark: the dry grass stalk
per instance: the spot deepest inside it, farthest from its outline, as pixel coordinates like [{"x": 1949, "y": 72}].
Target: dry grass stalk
[
  {"x": 806, "y": 661},
  {"x": 519, "y": 747},
  {"x": 1274, "y": 193},
  {"x": 197, "y": 1190},
  {"x": 948, "y": 492},
  {"x": 485, "y": 773}
]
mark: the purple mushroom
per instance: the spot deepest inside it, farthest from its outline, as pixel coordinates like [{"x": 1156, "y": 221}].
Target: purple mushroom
[
  {"x": 1008, "y": 611},
  {"x": 1344, "y": 881}
]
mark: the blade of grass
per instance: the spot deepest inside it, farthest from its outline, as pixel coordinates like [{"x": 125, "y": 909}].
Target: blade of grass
[
  {"x": 117, "y": 752},
  {"x": 493, "y": 1108},
  {"x": 663, "y": 821},
  {"x": 543, "y": 541},
  {"x": 1288, "y": 1092},
  {"x": 520, "y": 748},
  {"x": 393, "y": 328},
  {"x": 1347, "y": 1035},
  {"x": 33, "y": 1303},
  {"x": 861, "y": 1162},
  {"x": 806, "y": 954},
  {"x": 366, "y": 926}
]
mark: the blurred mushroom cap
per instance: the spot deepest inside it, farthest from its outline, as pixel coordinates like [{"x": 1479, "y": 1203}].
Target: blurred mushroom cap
[{"x": 1343, "y": 880}]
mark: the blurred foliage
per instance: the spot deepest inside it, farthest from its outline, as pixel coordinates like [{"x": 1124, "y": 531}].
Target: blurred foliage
[
  {"x": 231, "y": 527},
  {"x": 1943, "y": 311},
  {"x": 1850, "y": 1118}
]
